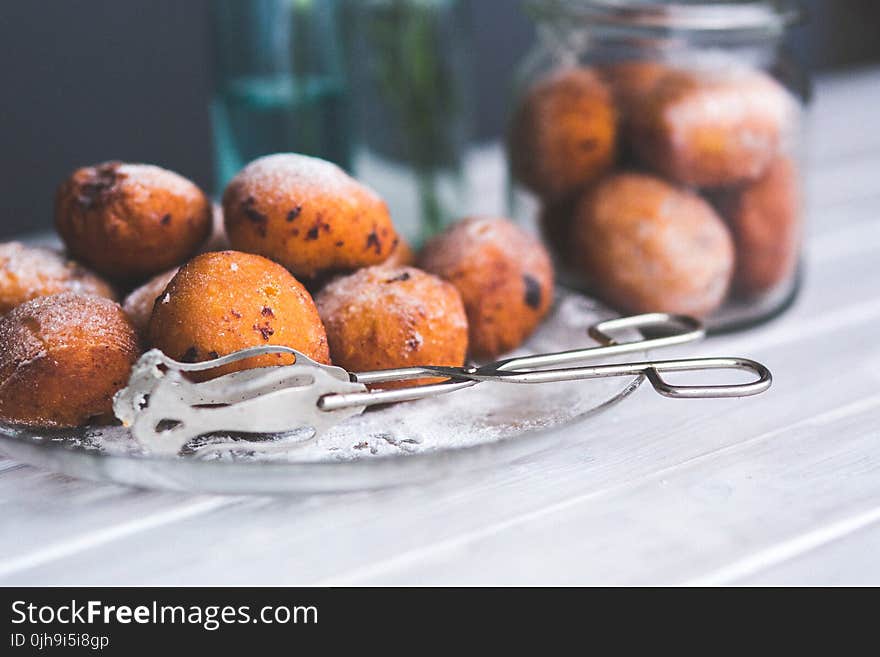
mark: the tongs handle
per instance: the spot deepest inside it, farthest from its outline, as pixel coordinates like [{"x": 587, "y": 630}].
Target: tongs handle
[
  {"x": 651, "y": 369},
  {"x": 526, "y": 369},
  {"x": 678, "y": 329}
]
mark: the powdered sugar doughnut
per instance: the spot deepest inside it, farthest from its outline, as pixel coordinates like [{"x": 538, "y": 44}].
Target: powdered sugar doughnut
[
  {"x": 62, "y": 358},
  {"x": 130, "y": 221},
  {"x": 224, "y": 301},
  {"x": 402, "y": 255},
  {"x": 562, "y": 135},
  {"x": 28, "y": 272},
  {"x": 649, "y": 246},
  {"x": 219, "y": 240},
  {"x": 307, "y": 214},
  {"x": 504, "y": 276},
  {"x": 385, "y": 317},
  {"x": 764, "y": 217},
  {"x": 711, "y": 128}
]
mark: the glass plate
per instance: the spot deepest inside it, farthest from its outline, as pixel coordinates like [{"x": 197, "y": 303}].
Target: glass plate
[{"x": 395, "y": 445}]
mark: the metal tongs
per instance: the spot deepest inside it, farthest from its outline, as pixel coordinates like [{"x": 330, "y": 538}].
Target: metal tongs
[{"x": 165, "y": 410}]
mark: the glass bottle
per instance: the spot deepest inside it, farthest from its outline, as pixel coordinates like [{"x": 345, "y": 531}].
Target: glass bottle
[{"x": 279, "y": 82}]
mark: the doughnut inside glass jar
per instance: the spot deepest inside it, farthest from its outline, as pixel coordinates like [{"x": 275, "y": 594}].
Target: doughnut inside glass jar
[
  {"x": 563, "y": 132},
  {"x": 715, "y": 112},
  {"x": 711, "y": 127},
  {"x": 764, "y": 217},
  {"x": 650, "y": 246}
]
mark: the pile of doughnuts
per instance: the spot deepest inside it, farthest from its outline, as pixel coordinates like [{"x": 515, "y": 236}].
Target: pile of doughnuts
[
  {"x": 300, "y": 254},
  {"x": 664, "y": 188}
]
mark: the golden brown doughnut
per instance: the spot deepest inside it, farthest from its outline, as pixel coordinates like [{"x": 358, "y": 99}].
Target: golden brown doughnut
[
  {"x": 504, "y": 276},
  {"x": 130, "y": 221},
  {"x": 28, "y": 272},
  {"x": 307, "y": 214},
  {"x": 764, "y": 217},
  {"x": 386, "y": 317},
  {"x": 224, "y": 301},
  {"x": 563, "y": 133},
  {"x": 62, "y": 358},
  {"x": 711, "y": 129},
  {"x": 648, "y": 246}
]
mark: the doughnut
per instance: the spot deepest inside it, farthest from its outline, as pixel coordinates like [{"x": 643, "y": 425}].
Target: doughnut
[
  {"x": 631, "y": 81},
  {"x": 562, "y": 135},
  {"x": 131, "y": 221},
  {"x": 387, "y": 317},
  {"x": 764, "y": 217},
  {"x": 218, "y": 240},
  {"x": 224, "y": 301},
  {"x": 504, "y": 276},
  {"x": 402, "y": 255},
  {"x": 711, "y": 129},
  {"x": 28, "y": 272},
  {"x": 138, "y": 305},
  {"x": 648, "y": 246},
  {"x": 62, "y": 358},
  {"x": 307, "y": 214}
]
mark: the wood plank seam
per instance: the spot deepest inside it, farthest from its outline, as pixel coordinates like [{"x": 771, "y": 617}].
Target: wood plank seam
[{"x": 787, "y": 550}]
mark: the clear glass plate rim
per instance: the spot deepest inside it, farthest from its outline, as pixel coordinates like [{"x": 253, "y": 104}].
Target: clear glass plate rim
[{"x": 518, "y": 445}]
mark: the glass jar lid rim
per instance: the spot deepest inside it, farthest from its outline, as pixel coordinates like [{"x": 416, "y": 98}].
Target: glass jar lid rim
[{"x": 688, "y": 16}]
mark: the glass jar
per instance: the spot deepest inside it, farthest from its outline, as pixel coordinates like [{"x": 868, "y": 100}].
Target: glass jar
[{"x": 659, "y": 148}]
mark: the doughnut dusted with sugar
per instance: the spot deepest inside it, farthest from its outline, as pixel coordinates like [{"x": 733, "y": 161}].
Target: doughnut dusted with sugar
[
  {"x": 225, "y": 301},
  {"x": 711, "y": 128},
  {"x": 402, "y": 255},
  {"x": 28, "y": 272},
  {"x": 62, "y": 358},
  {"x": 307, "y": 214},
  {"x": 504, "y": 275},
  {"x": 386, "y": 317},
  {"x": 562, "y": 135},
  {"x": 138, "y": 305},
  {"x": 764, "y": 217},
  {"x": 649, "y": 246},
  {"x": 131, "y": 221}
]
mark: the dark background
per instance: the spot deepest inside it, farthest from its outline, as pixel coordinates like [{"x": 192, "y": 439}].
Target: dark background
[{"x": 91, "y": 80}]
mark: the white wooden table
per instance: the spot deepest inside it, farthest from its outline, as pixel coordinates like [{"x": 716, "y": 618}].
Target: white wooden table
[{"x": 781, "y": 488}]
